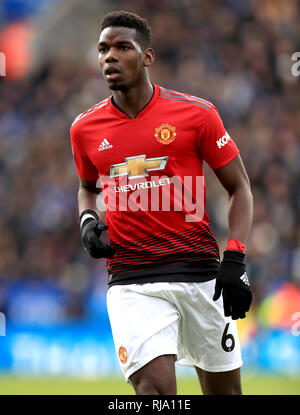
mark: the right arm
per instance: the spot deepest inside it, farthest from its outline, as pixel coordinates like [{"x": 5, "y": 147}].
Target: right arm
[
  {"x": 87, "y": 197},
  {"x": 92, "y": 220}
]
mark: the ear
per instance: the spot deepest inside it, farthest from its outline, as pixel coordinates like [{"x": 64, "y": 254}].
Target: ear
[{"x": 149, "y": 56}]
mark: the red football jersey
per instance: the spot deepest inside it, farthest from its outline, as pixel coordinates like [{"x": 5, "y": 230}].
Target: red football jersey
[{"x": 151, "y": 173}]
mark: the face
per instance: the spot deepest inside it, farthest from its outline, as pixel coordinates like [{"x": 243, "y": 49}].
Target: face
[{"x": 121, "y": 58}]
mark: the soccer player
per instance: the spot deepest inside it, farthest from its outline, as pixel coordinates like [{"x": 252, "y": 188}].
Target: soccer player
[{"x": 170, "y": 298}]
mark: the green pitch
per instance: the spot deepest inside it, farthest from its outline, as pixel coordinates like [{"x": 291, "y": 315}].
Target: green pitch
[{"x": 252, "y": 385}]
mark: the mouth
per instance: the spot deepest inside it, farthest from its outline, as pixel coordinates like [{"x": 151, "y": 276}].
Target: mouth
[{"x": 112, "y": 73}]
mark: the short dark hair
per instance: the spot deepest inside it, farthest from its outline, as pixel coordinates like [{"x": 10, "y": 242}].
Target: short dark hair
[{"x": 127, "y": 19}]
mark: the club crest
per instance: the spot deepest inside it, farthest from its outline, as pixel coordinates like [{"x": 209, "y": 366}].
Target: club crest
[
  {"x": 123, "y": 354},
  {"x": 165, "y": 133}
]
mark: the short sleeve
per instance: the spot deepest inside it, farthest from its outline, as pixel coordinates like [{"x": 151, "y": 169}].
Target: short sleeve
[
  {"x": 85, "y": 168},
  {"x": 216, "y": 146}
]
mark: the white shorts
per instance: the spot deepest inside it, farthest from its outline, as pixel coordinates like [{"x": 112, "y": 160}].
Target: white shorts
[{"x": 179, "y": 318}]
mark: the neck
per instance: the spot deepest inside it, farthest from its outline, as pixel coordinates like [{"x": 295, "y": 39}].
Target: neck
[{"x": 132, "y": 101}]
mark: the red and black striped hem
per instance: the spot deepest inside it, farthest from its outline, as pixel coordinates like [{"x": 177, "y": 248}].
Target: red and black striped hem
[
  {"x": 196, "y": 270},
  {"x": 197, "y": 243}
]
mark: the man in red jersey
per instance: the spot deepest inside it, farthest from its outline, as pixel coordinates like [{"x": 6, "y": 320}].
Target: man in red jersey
[{"x": 170, "y": 299}]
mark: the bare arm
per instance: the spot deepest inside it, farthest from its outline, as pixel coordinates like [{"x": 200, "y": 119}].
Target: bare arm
[
  {"x": 235, "y": 180},
  {"x": 87, "y": 198}
]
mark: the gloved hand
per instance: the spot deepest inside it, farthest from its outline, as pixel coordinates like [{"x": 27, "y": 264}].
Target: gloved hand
[
  {"x": 91, "y": 229},
  {"x": 232, "y": 279}
]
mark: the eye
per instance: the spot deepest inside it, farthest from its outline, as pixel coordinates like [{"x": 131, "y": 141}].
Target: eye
[
  {"x": 102, "y": 49},
  {"x": 124, "y": 47}
]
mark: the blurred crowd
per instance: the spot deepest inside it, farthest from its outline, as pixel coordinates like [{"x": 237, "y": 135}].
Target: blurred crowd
[{"x": 232, "y": 53}]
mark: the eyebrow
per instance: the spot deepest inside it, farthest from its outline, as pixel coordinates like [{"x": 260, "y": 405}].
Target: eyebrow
[{"x": 118, "y": 43}]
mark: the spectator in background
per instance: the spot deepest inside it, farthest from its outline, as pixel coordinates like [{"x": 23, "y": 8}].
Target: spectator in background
[{"x": 259, "y": 102}]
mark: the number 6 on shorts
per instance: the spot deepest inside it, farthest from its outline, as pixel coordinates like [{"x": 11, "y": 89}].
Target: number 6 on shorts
[{"x": 227, "y": 337}]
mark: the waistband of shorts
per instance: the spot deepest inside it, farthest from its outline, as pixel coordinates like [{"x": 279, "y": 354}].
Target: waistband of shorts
[{"x": 189, "y": 271}]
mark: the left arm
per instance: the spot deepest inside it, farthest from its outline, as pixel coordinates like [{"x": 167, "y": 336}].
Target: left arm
[{"x": 234, "y": 179}]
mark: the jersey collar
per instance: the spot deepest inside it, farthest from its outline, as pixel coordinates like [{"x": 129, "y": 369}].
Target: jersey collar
[{"x": 144, "y": 111}]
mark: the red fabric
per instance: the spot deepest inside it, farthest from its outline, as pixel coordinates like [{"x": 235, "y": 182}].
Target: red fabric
[
  {"x": 182, "y": 129},
  {"x": 235, "y": 245}
]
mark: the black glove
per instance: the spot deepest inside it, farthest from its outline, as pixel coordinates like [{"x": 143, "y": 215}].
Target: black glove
[
  {"x": 91, "y": 230},
  {"x": 232, "y": 279}
]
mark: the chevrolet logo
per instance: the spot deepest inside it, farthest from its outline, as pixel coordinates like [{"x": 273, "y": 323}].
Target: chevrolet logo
[{"x": 138, "y": 166}]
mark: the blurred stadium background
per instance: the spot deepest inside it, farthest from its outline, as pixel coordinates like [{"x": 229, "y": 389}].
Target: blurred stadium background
[{"x": 234, "y": 53}]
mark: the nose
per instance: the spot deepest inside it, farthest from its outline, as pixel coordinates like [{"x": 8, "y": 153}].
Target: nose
[{"x": 111, "y": 56}]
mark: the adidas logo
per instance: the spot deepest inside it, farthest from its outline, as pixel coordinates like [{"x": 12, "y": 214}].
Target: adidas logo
[
  {"x": 245, "y": 279},
  {"x": 105, "y": 145}
]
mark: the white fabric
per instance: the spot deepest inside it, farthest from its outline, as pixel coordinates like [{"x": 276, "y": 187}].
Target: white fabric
[
  {"x": 178, "y": 318},
  {"x": 85, "y": 217}
]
